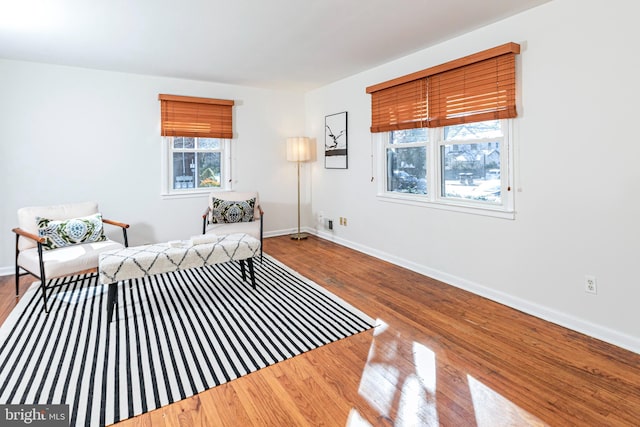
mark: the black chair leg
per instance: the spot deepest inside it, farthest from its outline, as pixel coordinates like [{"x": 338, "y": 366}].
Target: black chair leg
[
  {"x": 44, "y": 297},
  {"x": 17, "y": 268},
  {"x": 43, "y": 279}
]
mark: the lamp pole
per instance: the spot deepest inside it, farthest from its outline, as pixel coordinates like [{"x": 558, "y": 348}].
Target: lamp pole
[
  {"x": 298, "y": 235},
  {"x": 298, "y": 151}
]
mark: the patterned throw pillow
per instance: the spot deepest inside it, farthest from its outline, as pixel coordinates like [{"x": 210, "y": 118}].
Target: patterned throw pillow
[
  {"x": 69, "y": 232},
  {"x": 226, "y": 211}
]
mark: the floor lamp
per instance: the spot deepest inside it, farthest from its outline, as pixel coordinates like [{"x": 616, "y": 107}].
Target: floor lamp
[{"x": 298, "y": 150}]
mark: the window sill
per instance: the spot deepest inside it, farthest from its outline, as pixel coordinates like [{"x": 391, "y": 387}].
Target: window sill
[
  {"x": 184, "y": 194},
  {"x": 492, "y": 211}
]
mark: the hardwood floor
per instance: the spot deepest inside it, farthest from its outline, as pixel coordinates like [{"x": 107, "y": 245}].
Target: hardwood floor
[{"x": 441, "y": 356}]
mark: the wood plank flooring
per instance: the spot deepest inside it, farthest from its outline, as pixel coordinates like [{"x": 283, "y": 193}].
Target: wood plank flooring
[{"x": 441, "y": 356}]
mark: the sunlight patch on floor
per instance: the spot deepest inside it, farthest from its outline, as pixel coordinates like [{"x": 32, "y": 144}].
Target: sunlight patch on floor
[
  {"x": 494, "y": 410},
  {"x": 407, "y": 397}
]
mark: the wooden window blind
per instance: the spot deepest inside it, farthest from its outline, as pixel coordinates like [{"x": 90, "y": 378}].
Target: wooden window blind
[
  {"x": 196, "y": 117},
  {"x": 481, "y": 91},
  {"x": 400, "y": 107},
  {"x": 474, "y": 88}
]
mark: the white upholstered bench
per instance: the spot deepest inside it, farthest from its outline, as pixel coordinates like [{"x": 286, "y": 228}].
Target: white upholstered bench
[{"x": 140, "y": 261}]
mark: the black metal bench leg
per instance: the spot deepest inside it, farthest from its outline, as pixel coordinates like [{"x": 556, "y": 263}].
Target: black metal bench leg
[
  {"x": 112, "y": 299},
  {"x": 242, "y": 270},
  {"x": 251, "y": 273}
]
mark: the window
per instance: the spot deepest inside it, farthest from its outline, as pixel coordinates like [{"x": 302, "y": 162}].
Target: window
[
  {"x": 406, "y": 160},
  {"x": 445, "y": 133},
  {"x": 470, "y": 158},
  {"x": 460, "y": 166},
  {"x": 197, "y": 163},
  {"x": 196, "y": 152}
]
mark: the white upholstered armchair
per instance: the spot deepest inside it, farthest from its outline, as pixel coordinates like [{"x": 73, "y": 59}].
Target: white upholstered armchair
[
  {"x": 61, "y": 240},
  {"x": 234, "y": 212}
]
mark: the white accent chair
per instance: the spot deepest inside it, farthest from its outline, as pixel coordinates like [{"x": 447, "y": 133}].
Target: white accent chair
[
  {"x": 34, "y": 259},
  {"x": 252, "y": 228}
]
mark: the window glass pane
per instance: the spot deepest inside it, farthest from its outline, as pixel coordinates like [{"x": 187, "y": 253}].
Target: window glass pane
[
  {"x": 196, "y": 163},
  {"x": 208, "y": 169},
  {"x": 209, "y": 143},
  {"x": 471, "y": 171},
  {"x": 406, "y": 170},
  {"x": 409, "y": 136},
  {"x": 477, "y": 130},
  {"x": 183, "y": 142},
  {"x": 183, "y": 170}
]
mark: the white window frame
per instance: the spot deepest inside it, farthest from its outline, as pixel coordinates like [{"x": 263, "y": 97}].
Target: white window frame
[
  {"x": 434, "y": 198},
  {"x": 167, "y": 189}
]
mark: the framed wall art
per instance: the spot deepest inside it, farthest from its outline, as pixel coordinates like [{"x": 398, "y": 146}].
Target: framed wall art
[{"x": 335, "y": 141}]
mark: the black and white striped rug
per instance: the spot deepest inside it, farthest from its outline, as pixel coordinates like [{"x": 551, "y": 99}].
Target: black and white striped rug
[{"x": 173, "y": 335}]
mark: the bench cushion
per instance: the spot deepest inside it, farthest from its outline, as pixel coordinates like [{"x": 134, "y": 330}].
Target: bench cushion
[{"x": 140, "y": 261}]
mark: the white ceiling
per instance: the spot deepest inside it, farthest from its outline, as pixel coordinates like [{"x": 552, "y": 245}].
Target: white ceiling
[{"x": 280, "y": 44}]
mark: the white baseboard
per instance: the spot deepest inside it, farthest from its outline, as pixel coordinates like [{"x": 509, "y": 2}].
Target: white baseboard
[
  {"x": 602, "y": 333},
  {"x": 6, "y": 271},
  {"x": 284, "y": 232}
]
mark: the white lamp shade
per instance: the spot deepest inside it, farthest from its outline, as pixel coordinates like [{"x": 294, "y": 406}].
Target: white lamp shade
[{"x": 298, "y": 149}]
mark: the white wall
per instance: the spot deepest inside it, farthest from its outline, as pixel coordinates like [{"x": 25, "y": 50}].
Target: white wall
[
  {"x": 73, "y": 134},
  {"x": 577, "y": 174}
]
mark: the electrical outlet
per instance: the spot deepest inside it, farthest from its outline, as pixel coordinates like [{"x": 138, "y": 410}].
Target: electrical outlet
[
  {"x": 344, "y": 221},
  {"x": 590, "y": 284}
]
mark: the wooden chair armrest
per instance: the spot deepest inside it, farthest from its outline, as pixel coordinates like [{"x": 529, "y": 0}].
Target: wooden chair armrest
[
  {"x": 116, "y": 223},
  {"x": 28, "y": 235},
  {"x": 260, "y": 210},
  {"x": 205, "y": 215},
  {"x": 206, "y": 212}
]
